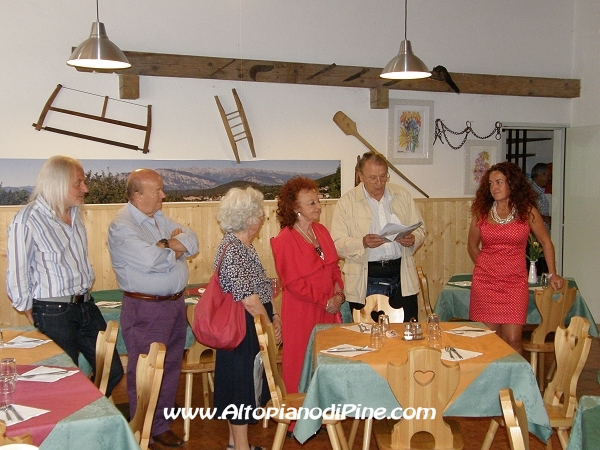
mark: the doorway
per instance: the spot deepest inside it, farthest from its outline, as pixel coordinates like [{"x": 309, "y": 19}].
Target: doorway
[{"x": 528, "y": 145}]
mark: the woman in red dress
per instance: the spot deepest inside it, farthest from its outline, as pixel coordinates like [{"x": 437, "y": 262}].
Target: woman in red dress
[
  {"x": 503, "y": 214},
  {"x": 307, "y": 264}
]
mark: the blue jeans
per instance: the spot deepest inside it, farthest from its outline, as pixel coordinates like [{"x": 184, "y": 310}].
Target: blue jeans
[{"x": 74, "y": 328}]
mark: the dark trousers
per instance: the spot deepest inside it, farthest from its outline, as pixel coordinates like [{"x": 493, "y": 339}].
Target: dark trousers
[
  {"x": 74, "y": 328},
  {"x": 385, "y": 279}
]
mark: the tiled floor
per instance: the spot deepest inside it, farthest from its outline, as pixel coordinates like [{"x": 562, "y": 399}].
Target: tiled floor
[{"x": 213, "y": 435}]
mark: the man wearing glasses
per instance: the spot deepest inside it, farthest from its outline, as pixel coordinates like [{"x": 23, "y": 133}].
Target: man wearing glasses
[{"x": 374, "y": 265}]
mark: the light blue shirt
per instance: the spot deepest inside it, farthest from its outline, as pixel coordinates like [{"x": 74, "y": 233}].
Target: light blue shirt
[
  {"x": 140, "y": 265},
  {"x": 46, "y": 257}
]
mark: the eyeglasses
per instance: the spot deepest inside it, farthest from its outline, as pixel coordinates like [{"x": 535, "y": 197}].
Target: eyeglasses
[{"x": 374, "y": 178}]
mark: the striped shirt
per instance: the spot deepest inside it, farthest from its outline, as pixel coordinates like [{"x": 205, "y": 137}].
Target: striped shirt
[{"x": 46, "y": 257}]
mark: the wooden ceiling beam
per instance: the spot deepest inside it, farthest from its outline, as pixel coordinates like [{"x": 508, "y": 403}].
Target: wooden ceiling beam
[{"x": 215, "y": 68}]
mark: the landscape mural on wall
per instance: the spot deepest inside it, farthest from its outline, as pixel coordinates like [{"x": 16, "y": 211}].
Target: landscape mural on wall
[{"x": 185, "y": 180}]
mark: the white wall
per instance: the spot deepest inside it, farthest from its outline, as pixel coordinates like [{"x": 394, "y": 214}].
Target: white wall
[{"x": 288, "y": 121}]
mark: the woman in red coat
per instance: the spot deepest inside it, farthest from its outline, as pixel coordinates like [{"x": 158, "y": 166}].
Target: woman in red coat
[{"x": 307, "y": 264}]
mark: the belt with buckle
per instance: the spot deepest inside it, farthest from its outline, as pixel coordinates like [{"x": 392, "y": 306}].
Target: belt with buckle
[
  {"x": 389, "y": 262},
  {"x": 80, "y": 298},
  {"x": 151, "y": 297}
]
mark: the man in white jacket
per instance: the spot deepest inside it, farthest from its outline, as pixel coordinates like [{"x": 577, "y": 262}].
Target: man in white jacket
[{"x": 374, "y": 265}]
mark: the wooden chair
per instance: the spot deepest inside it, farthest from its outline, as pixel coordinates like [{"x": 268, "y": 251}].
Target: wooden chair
[
  {"x": 423, "y": 381},
  {"x": 553, "y": 307},
  {"x": 377, "y": 302},
  {"x": 24, "y": 438},
  {"x": 515, "y": 419},
  {"x": 572, "y": 346},
  {"x": 197, "y": 359},
  {"x": 148, "y": 378},
  {"x": 280, "y": 399},
  {"x": 425, "y": 305},
  {"x": 105, "y": 349}
]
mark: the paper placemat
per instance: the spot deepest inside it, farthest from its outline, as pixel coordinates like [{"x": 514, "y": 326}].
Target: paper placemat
[
  {"x": 359, "y": 328},
  {"x": 25, "y": 412},
  {"x": 469, "y": 331},
  {"x": 46, "y": 374},
  {"x": 25, "y": 342},
  {"x": 466, "y": 354},
  {"x": 347, "y": 350}
]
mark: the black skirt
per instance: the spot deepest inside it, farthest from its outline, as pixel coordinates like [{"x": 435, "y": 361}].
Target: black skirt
[{"x": 234, "y": 377}]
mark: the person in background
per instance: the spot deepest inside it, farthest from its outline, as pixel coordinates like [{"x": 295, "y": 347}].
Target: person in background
[
  {"x": 307, "y": 264},
  {"x": 540, "y": 177},
  {"x": 49, "y": 274},
  {"x": 503, "y": 214},
  {"x": 374, "y": 265},
  {"x": 148, "y": 251},
  {"x": 240, "y": 216}
]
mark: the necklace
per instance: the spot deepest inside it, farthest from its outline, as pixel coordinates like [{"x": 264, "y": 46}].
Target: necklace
[
  {"x": 497, "y": 218},
  {"x": 314, "y": 241}
]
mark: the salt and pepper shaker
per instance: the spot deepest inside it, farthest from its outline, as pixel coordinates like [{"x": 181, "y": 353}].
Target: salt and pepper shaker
[{"x": 408, "y": 333}]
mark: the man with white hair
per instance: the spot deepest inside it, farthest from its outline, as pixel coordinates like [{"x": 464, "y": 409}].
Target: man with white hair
[{"x": 49, "y": 274}]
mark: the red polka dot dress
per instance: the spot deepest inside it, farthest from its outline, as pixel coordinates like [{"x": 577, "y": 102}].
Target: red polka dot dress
[{"x": 499, "y": 292}]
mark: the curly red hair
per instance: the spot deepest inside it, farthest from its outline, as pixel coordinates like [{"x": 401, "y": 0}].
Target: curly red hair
[
  {"x": 288, "y": 197},
  {"x": 520, "y": 193}
]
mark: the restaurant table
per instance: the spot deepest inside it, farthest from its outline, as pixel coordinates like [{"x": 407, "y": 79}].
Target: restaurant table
[
  {"x": 454, "y": 301},
  {"x": 361, "y": 380},
  {"x": 585, "y": 433},
  {"x": 79, "y": 417}
]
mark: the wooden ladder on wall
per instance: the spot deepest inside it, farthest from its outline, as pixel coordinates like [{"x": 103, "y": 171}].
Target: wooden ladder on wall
[{"x": 232, "y": 121}]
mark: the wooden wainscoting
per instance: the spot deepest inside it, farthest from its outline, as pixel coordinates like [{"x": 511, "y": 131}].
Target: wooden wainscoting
[{"x": 443, "y": 253}]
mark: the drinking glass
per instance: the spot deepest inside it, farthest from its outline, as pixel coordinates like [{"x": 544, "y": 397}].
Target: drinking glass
[
  {"x": 434, "y": 337},
  {"x": 376, "y": 336},
  {"x": 275, "y": 287},
  {"x": 384, "y": 321},
  {"x": 8, "y": 367},
  {"x": 544, "y": 280},
  {"x": 7, "y": 388},
  {"x": 432, "y": 321}
]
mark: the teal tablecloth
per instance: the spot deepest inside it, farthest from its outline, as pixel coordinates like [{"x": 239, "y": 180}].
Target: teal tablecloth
[
  {"x": 585, "y": 434},
  {"x": 344, "y": 381},
  {"x": 454, "y": 301}
]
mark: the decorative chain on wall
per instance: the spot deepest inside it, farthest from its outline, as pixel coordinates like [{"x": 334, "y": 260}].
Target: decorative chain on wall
[{"x": 441, "y": 129}]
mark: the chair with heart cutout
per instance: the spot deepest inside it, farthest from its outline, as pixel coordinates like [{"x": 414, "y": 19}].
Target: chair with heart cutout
[{"x": 422, "y": 384}]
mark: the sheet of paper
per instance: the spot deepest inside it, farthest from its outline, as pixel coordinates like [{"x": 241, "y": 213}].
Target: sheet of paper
[
  {"x": 393, "y": 231},
  {"x": 469, "y": 331},
  {"x": 46, "y": 374},
  {"x": 347, "y": 350},
  {"x": 26, "y": 413},
  {"x": 466, "y": 354},
  {"x": 25, "y": 342}
]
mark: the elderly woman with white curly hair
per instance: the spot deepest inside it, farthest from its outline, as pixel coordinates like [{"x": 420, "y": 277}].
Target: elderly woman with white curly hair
[{"x": 241, "y": 215}]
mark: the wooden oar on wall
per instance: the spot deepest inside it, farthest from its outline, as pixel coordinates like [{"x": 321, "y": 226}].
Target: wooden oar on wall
[{"x": 348, "y": 126}]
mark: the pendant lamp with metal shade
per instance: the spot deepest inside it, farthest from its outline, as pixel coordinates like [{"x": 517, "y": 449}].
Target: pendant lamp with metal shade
[
  {"x": 405, "y": 65},
  {"x": 98, "y": 52}
]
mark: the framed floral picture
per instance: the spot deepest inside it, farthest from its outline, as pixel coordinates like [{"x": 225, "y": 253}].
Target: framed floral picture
[
  {"x": 480, "y": 156},
  {"x": 410, "y": 132}
]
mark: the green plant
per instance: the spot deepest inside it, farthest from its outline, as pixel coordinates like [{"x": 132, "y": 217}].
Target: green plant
[{"x": 534, "y": 248}]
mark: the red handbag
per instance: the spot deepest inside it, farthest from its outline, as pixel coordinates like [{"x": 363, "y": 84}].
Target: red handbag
[{"x": 219, "y": 322}]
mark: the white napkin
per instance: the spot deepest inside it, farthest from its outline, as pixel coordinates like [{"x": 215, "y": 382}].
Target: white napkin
[
  {"x": 466, "y": 354},
  {"x": 26, "y": 412},
  {"x": 46, "y": 374},
  {"x": 192, "y": 300},
  {"x": 108, "y": 304},
  {"x": 460, "y": 283},
  {"x": 346, "y": 350},
  {"x": 366, "y": 328},
  {"x": 535, "y": 288},
  {"x": 469, "y": 331},
  {"x": 25, "y": 342}
]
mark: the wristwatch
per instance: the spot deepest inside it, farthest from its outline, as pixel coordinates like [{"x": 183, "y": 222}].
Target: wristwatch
[{"x": 164, "y": 242}]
